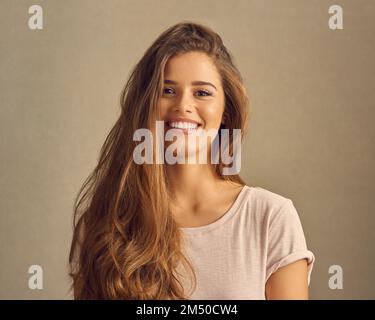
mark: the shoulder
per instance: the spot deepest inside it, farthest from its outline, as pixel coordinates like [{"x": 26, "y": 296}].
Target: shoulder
[
  {"x": 268, "y": 206},
  {"x": 267, "y": 197},
  {"x": 266, "y": 200}
]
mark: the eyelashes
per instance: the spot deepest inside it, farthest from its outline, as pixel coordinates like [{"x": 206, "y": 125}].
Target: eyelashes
[{"x": 205, "y": 93}]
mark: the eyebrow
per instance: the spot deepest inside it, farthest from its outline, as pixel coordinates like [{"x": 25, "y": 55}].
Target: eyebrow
[{"x": 194, "y": 83}]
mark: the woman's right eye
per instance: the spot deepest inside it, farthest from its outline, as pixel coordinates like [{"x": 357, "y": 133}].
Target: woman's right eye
[{"x": 165, "y": 90}]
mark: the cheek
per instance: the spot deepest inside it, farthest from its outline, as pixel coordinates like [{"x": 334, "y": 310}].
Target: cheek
[
  {"x": 212, "y": 115},
  {"x": 163, "y": 108}
]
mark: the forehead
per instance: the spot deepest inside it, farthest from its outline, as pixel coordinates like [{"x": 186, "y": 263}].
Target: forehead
[{"x": 191, "y": 66}]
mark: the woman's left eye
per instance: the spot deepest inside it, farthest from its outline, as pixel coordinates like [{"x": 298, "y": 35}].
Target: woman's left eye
[
  {"x": 202, "y": 93},
  {"x": 206, "y": 93}
]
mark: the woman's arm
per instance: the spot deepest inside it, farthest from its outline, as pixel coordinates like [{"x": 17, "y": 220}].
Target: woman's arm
[{"x": 289, "y": 282}]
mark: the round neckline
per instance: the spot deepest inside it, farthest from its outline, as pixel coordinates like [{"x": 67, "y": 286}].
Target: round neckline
[{"x": 226, "y": 216}]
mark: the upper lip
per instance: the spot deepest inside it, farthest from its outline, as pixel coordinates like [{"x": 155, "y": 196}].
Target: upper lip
[{"x": 183, "y": 120}]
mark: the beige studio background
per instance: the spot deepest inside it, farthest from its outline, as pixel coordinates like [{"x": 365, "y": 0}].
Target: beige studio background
[{"x": 311, "y": 135}]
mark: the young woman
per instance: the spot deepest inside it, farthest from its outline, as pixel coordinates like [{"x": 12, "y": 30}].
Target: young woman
[{"x": 183, "y": 231}]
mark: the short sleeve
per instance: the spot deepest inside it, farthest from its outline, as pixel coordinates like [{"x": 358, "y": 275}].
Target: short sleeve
[{"x": 286, "y": 240}]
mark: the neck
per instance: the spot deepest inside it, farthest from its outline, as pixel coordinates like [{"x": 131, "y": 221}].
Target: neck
[{"x": 193, "y": 183}]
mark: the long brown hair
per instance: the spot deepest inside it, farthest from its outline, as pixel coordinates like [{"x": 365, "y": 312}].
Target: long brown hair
[{"x": 126, "y": 244}]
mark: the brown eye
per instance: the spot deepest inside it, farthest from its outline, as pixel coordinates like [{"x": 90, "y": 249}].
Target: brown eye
[
  {"x": 165, "y": 90},
  {"x": 205, "y": 93}
]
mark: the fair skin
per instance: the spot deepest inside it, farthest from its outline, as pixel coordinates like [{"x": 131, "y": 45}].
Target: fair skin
[
  {"x": 289, "y": 282},
  {"x": 200, "y": 195}
]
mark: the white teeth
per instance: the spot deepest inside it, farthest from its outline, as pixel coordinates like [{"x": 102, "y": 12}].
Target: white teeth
[{"x": 183, "y": 125}]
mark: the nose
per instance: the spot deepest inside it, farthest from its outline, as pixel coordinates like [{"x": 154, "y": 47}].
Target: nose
[{"x": 184, "y": 103}]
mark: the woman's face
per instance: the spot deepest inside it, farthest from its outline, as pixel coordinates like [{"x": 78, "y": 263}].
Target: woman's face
[{"x": 192, "y": 93}]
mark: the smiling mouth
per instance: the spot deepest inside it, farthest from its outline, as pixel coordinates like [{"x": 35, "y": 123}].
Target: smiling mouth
[{"x": 185, "y": 127}]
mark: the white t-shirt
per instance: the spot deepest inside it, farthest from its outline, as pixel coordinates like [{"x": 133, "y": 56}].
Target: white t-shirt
[{"x": 234, "y": 256}]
